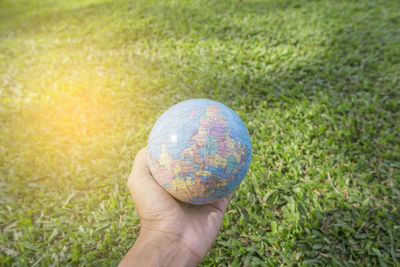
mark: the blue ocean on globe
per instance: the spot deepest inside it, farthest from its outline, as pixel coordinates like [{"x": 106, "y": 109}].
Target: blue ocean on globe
[{"x": 199, "y": 150}]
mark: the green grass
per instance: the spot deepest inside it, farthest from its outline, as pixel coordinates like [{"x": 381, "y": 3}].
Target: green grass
[{"x": 316, "y": 82}]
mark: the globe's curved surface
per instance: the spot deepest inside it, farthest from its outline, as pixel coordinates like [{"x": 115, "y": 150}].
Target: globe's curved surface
[{"x": 199, "y": 150}]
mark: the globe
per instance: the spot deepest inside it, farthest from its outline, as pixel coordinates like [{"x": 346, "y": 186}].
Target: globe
[{"x": 199, "y": 151}]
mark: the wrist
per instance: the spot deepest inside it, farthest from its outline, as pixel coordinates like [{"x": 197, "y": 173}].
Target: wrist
[{"x": 153, "y": 248}]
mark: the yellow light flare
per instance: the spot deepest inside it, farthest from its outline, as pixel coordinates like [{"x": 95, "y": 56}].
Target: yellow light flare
[{"x": 75, "y": 101}]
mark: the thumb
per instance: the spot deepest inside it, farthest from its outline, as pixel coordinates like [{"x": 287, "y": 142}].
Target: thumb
[{"x": 145, "y": 191}]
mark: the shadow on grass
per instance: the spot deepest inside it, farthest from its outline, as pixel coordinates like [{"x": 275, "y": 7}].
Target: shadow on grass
[{"x": 351, "y": 233}]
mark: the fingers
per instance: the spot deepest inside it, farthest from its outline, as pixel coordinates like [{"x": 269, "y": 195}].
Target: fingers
[
  {"x": 229, "y": 197},
  {"x": 222, "y": 203},
  {"x": 145, "y": 191},
  {"x": 226, "y": 201}
]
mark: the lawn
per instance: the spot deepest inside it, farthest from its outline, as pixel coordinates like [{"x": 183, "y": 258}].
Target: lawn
[{"x": 316, "y": 82}]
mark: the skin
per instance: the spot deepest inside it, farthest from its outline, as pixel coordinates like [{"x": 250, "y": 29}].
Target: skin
[{"x": 172, "y": 233}]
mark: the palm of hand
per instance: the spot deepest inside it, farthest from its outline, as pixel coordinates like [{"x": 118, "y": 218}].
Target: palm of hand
[{"x": 196, "y": 227}]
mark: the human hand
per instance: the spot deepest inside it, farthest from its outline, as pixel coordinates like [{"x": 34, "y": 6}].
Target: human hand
[{"x": 176, "y": 233}]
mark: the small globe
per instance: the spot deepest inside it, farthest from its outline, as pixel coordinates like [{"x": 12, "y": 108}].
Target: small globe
[{"x": 199, "y": 151}]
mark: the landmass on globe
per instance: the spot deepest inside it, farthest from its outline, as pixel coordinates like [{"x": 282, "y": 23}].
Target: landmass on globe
[{"x": 207, "y": 163}]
